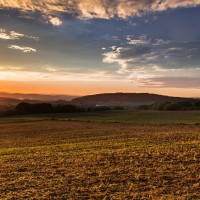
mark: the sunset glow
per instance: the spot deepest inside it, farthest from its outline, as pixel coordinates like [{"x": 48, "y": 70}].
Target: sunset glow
[{"x": 91, "y": 46}]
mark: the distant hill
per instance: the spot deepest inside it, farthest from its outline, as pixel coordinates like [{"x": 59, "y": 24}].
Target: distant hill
[
  {"x": 109, "y": 99},
  {"x": 10, "y": 103},
  {"x": 39, "y": 97}
]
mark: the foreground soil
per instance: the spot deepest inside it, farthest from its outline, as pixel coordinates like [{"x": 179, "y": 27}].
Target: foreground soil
[{"x": 87, "y": 160}]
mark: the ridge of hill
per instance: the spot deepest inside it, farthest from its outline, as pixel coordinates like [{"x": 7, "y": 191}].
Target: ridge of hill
[
  {"x": 12, "y": 101},
  {"x": 38, "y": 97},
  {"x": 127, "y": 99}
]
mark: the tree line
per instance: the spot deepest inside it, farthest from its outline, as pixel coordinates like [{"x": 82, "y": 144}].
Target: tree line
[
  {"x": 47, "y": 108},
  {"x": 27, "y": 108},
  {"x": 172, "y": 106}
]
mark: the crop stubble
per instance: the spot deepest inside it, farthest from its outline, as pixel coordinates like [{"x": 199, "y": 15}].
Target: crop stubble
[{"x": 88, "y": 160}]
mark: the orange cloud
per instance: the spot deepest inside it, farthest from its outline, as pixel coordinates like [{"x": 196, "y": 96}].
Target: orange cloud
[
  {"x": 55, "y": 21},
  {"x": 96, "y": 8}
]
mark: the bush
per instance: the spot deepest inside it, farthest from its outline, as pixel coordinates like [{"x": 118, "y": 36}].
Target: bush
[{"x": 26, "y": 108}]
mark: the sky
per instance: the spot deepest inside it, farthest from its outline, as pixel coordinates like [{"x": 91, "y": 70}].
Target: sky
[{"x": 83, "y": 47}]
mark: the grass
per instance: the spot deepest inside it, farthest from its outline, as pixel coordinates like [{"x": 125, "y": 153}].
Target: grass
[
  {"x": 54, "y": 159},
  {"x": 134, "y": 116}
]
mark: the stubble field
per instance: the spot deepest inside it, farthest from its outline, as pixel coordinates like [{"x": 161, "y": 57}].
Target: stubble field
[{"x": 57, "y": 159}]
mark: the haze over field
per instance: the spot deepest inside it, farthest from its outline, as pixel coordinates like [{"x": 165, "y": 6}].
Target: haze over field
[{"x": 83, "y": 47}]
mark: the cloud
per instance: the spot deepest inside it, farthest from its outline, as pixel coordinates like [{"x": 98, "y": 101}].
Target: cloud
[
  {"x": 49, "y": 74},
  {"x": 22, "y": 48},
  {"x": 11, "y": 68},
  {"x": 170, "y": 82},
  {"x": 51, "y": 69},
  {"x": 112, "y": 38},
  {"x": 142, "y": 54},
  {"x": 12, "y": 35},
  {"x": 55, "y": 21},
  {"x": 141, "y": 40},
  {"x": 156, "y": 62},
  {"x": 105, "y": 9}
]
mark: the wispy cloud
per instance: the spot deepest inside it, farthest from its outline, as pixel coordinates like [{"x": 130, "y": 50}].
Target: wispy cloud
[
  {"x": 143, "y": 53},
  {"x": 11, "y": 68},
  {"x": 141, "y": 40},
  {"x": 12, "y": 35},
  {"x": 156, "y": 63},
  {"x": 22, "y": 48},
  {"x": 170, "y": 82},
  {"x": 53, "y": 75},
  {"x": 96, "y": 8}
]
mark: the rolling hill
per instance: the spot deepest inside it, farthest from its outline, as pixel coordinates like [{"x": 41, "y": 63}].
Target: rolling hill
[
  {"x": 38, "y": 97},
  {"x": 108, "y": 99}
]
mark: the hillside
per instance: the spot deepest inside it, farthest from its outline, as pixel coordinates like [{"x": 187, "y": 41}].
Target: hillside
[
  {"x": 12, "y": 101},
  {"x": 126, "y": 99},
  {"x": 8, "y": 101},
  {"x": 39, "y": 97}
]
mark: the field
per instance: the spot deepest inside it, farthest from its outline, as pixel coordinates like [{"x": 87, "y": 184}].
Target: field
[
  {"x": 117, "y": 155},
  {"x": 134, "y": 116}
]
